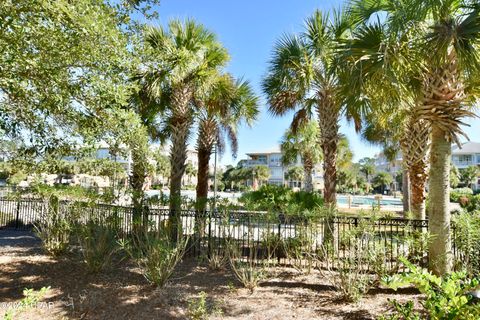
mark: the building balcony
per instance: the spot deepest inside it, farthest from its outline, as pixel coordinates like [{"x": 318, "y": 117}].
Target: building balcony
[
  {"x": 250, "y": 163},
  {"x": 464, "y": 164}
]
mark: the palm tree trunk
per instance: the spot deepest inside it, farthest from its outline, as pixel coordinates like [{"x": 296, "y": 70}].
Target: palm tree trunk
[
  {"x": 328, "y": 123},
  {"x": 415, "y": 145},
  {"x": 328, "y": 117},
  {"x": 406, "y": 191},
  {"x": 307, "y": 168},
  {"x": 443, "y": 106},
  {"x": 180, "y": 125},
  {"x": 207, "y": 132},
  {"x": 137, "y": 180},
  {"x": 440, "y": 250},
  {"x": 418, "y": 180},
  {"x": 202, "y": 181},
  {"x": 138, "y": 195}
]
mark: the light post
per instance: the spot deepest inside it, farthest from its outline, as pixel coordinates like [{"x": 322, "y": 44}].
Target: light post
[{"x": 215, "y": 181}]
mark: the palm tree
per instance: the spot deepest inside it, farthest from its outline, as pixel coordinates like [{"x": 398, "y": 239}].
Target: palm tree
[
  {"x": 295, "y": 173},
  {"x": 303, "y": 75},
  {"x": 190, "y": 171},
  {"x": 225, "y": 105},
  {"x": 469, "y": 175},
  {"x": 303, "y": 143},
  {"x": 367, "y": 167},
  {"x": 454, "y": 176},
  {"x": 189, "y": 57},
  {"x": 403, "y": 129},
  {"x": 437, "y": 43},
  {"x": 162, "y": 166},
  {"x": 382, "y": 180},
  {"x": 258, "y": 174}
]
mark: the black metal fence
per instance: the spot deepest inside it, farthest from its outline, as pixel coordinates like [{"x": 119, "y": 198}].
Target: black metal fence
[{"x": 332, "y": 241}]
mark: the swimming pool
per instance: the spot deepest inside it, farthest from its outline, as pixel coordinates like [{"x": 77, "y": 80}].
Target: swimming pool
[{"x": 368, "y": 201}]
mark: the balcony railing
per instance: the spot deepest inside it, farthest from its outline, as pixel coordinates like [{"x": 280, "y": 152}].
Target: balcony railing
[{"x": 460, "y": 163}]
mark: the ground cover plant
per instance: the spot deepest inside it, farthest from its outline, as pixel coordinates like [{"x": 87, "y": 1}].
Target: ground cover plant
[{"x": 454, "y": 296}]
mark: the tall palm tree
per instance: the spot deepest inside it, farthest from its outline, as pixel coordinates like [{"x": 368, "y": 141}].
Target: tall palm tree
[
  {"x": 303, "y": 143},
  {"x": 189, "y": 57},
  {"x": 225, "y": 105},
  {"x": 304, "y": 75},
  {"x": 437, "y": 43}
]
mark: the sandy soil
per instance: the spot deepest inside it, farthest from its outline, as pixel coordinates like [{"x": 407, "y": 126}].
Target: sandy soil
[{"x": 123, "y": 293}]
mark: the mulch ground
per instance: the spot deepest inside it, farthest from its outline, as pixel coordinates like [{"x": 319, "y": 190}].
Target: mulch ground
[{"x": 123, "y": 293}]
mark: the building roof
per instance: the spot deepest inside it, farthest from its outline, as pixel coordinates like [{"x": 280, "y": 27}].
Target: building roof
[
  {"x": 266, "y": 151},
  {"x": 467, "y": 148}
]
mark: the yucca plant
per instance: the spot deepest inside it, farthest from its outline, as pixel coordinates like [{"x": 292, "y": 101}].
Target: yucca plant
[
  {"x": 98, "y": 245},
  {"x": 156, "y": 254}
]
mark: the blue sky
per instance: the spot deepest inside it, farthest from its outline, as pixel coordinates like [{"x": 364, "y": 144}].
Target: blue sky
[{"x": 249, "y": 29}]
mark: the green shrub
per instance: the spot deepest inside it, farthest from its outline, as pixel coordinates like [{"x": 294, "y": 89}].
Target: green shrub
[
  {"x": 200, "y": 308},
  {"x": 246, "y": 270},
  {"x": 98, "y": 244},
  {"x": 361, "y": 264},
  {"x": 473, "y": 203},
  {"x": 455, "y": 194},
  {"x": 30, "y": 300},
  {"x": 55, "y": 229},
  {"x": 446, "y": 297},
  {"x": 281, "y": 199},
  {"x": 156, "y": 254},
  {"x": 197, "y": 309},
  {"x": 467, "y": 241}
]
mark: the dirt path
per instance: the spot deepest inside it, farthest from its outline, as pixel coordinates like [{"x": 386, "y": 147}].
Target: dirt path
[{"x": 123, "y": 293}]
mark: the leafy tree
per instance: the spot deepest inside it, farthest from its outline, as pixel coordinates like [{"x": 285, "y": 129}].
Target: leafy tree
[
  {"x": 302, "y": 142},
  {"x": 469, "y": 175},
  {"x": 382, "y": 180},
  {"x": 188, "y": 58},
  {"x": 56, "y": 77}
]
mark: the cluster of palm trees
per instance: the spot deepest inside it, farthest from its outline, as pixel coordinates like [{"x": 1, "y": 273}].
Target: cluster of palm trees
[
  {"x": 240, "y": 175},
  {"x": 405, "y": 70},
  {"x": 183, "y": 83}
]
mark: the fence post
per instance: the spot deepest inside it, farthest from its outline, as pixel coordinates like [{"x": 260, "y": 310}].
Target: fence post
[
  {"x": 17, "y": 220},
  {"x": 280, "y": 218},
  {"x": 209, "y": 246}
]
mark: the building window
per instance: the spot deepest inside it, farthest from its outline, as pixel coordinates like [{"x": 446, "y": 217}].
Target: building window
[
  {"x": 465, "y": 158},
  {"x": 478, "y": 158}
]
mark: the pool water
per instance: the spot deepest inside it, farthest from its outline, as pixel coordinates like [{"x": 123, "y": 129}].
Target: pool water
[{"x": 368, "y": 201}]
